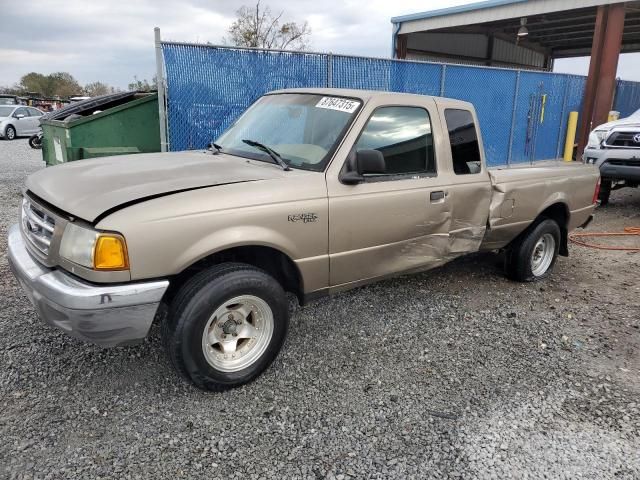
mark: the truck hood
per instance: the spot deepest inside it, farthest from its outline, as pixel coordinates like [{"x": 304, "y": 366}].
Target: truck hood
[
  {"x": 89, "y": 188},
  {"x": 632, "y": 121}
]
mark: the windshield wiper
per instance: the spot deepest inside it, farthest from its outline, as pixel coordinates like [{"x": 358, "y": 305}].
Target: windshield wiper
[
  {"x": 218, "y": 148},
  {"x": 272, "y": 153}
]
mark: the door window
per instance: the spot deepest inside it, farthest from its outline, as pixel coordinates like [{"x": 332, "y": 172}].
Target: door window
[
  {"x": 21, "y": 111},
  {"x": 403, "y": 135},
  {"x": 34, "y": 112},
  {"x": 463, "y": 137}
]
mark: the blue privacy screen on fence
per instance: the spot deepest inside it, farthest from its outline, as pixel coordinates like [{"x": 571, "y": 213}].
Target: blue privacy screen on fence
[
  {"x": 493, "y": 103},
  {"x": 523, "y": 114},
  {"x": 207, "y": 88},
  {"x": 627, "y": 98}
]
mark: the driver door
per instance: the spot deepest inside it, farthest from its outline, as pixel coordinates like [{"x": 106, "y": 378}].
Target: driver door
[{"x": 397, "y": 221}]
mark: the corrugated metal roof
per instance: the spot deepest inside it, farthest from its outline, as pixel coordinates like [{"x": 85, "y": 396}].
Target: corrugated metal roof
[
  {"x": 451, "y": 10},
  {"x": 556, "y": 28},
  {"x": 488, "y": 11}
]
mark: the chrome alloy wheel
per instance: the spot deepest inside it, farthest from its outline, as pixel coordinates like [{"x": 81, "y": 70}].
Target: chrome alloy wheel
[
  {"x": 238, "y": 333},
  {"x": 543, "y": 254}
]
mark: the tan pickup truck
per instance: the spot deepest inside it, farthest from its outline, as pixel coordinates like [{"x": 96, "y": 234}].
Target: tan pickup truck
[{"x": 310, "y": 191}]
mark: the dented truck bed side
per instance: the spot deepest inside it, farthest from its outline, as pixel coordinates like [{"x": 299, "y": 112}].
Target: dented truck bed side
[{"x": 522, "y": 194}]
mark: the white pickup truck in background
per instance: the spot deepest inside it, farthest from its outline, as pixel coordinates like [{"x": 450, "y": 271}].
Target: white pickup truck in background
[{"x": 614, "y": 148}]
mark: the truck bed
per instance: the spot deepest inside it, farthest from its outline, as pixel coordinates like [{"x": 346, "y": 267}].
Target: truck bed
[{"x": 521, "y": 193}]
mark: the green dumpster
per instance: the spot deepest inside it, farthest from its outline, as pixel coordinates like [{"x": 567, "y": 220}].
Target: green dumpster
[{"x": 116, "y": 124}]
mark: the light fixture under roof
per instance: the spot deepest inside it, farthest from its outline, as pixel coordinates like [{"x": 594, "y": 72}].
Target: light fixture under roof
[{"x": 523, "y": 31}]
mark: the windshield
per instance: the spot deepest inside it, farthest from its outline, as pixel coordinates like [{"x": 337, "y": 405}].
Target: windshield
[
  {"x": 303, "y": 129},
  {"x": 6, "y": 111}
]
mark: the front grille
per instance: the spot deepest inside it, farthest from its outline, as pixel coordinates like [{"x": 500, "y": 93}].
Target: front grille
[
  {"x": 623, "y": 162},
  {"x": 624, "y": 139},
  {"x": 38, "y": 226}
]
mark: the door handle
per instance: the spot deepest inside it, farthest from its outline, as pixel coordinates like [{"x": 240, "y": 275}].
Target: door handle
[{"x": 437, "y": 195}]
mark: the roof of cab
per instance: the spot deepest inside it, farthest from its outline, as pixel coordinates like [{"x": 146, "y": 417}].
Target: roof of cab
[{"x": 364, "y": 95}]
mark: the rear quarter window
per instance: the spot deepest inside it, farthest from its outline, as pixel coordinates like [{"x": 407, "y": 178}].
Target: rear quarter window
[{"x": 463, "y": 138}]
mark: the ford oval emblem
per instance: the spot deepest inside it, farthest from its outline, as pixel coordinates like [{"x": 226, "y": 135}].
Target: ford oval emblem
[{"x": 636, "y": 138}]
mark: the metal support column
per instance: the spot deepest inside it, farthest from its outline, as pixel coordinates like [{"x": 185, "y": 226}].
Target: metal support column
[
  {"x": 609, "y": 66},
  {"x": 443, "y": 76},
  {"x": 401, "y": 46},
  {"x": 162, "y": 106},
  {"x": 591, "y": 86}
]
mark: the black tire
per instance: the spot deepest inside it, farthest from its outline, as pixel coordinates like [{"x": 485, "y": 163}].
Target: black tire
[
  {"x": 9, "y": 133},
  {"x": 35, "y": 141},
  {"x": 191, "y": 310},
  {"x": 605, "y": 192},
  {"x": 518, "y": 259}
]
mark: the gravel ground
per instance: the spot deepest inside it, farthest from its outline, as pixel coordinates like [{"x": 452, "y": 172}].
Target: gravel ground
[{"x": 456, "y": 373}]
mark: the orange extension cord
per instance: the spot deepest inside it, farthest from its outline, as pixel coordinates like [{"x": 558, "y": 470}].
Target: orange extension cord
[{"x": 627, "y": 231}]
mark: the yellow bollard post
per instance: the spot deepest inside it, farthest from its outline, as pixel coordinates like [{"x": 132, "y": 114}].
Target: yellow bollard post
[{"x": 572, "y": 124}]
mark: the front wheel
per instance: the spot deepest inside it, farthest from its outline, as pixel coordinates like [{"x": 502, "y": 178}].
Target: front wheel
[
  {"x": 226, "y": 325},
  {"x": 533, "y": 254},
  {"x": 9, "y": 133},
  {"x": 35, "y": 141}
]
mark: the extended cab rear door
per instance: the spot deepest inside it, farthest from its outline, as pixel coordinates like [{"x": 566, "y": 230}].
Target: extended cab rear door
[
  {"x": 398, "y": 221},
  {"x": 463, "y": 162}
]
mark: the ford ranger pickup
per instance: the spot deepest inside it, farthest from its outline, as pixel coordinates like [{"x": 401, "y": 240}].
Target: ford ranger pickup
[{"x": 310, "y": 191}]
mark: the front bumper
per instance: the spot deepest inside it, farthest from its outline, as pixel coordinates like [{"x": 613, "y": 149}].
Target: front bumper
[
  {"x": 106, "y": 315},
  {"x": 615, "y": 163}
]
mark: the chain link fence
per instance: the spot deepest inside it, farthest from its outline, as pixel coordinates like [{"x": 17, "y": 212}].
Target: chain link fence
[{"x": 523, "y": 114}]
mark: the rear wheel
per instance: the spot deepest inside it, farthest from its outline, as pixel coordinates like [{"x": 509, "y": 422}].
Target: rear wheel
[
  {"x": 35, "y": 141},
  {"x": 9, "y": 133},
  {"x": 533, "y": 254},
  {"x": 226, "y": 325}
]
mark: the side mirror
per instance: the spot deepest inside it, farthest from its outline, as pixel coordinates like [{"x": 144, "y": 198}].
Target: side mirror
[
  {"x": 365, "y": 162},
  {"x": 19, "y": 115},
  {"x": 370, "y": 161}
]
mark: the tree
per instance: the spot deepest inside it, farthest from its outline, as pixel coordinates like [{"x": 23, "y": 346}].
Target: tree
[
  {"x": 143, "y": 85},
  {"x": 11, "y": 90},
  {"x": 60, "y": 84},
  {"x": 63, "y": 85},
  {"x": 96, "y": 89},
  {"x": 258, "y": 27},
  {"x": 34, "y": 82}
]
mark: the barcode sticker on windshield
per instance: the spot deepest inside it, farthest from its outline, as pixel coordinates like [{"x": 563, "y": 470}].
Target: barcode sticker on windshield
[{"x": 340, "y": 104}]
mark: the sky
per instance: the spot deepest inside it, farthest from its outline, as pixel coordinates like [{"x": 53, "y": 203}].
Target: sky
[{"x": 111, "y": 41}]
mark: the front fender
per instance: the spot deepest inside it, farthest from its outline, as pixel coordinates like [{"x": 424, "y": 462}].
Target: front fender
[{"x": 237, "y": 236}]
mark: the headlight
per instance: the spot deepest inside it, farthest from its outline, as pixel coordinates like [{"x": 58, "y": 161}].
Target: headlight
[
  {"x": 596, "y": 137},
  {"x": 95, "y": 250}
]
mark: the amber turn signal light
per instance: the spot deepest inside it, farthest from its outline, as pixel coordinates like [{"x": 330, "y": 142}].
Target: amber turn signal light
[{"x": 110, "y": 253}]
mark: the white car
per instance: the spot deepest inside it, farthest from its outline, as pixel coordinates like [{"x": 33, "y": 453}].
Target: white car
[{"x": 19, "y": 121}]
